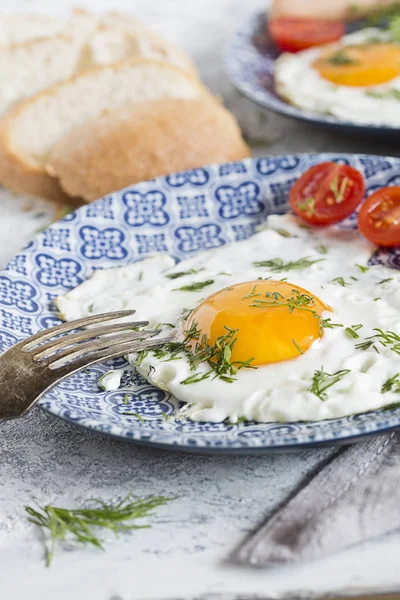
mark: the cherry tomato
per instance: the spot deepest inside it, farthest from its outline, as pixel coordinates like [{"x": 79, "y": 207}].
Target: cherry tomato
[
  {"x": 327, "y": 193},
  {"x": 379, "y": 217},
  {"x": 292, "y": 34}
]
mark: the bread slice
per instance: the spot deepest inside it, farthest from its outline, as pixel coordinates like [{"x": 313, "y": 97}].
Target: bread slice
[
  {"x": 39, "y": 63},
  {"x": 30, "y": 130},
  {"x": 140, "y": 142},
  {"x": 20, "y": 28}
]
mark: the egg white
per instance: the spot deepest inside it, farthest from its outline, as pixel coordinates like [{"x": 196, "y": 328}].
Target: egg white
[
  {"x": 278, "y": 391},
  {"x": 297, "y": 81}
]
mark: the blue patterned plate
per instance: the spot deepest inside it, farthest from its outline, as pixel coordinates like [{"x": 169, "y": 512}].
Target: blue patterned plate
[
  {"x": 180, "y": 214},
  {"x": 250, "y": 64}
]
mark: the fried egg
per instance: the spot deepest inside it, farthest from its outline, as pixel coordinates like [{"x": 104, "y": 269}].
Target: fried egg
[
  {"x": 356, "y": 79},
  {"x": 281, "y": 324}
]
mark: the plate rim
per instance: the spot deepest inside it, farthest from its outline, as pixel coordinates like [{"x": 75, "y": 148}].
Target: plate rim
[{"x": 140, "y": 437}]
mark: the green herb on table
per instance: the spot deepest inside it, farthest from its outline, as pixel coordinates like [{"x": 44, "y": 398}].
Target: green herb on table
[
  {"x": 126, "y": 399},
  {"x": 392, "y": 384},
  {"x": 322, "y": 381},
  {"x": 278, "y": 264},
  {"x": 195, "y": 287},
  {"x": 82, "y": 524}
]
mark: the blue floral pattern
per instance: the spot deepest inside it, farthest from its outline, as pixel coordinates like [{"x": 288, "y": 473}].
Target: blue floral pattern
[
  {"x": 145, "y": 208},
  {"x": 58, "y": 273},
  {"x": 193, "y": 239},
  {"x": 240, "y": 200},
  {"x": 102, "y": 243},
  {"x": 187, "y": 213}
]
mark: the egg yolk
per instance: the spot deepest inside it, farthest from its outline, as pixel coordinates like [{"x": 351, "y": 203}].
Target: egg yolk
[
  {"x": 275, "y": 320},
  {"x": 361, "y": 65}
]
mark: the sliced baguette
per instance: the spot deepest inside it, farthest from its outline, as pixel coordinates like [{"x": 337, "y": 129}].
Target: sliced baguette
[
  {"x": 30, "y": 130},
  {"x": 144, "y": 141},
  {"x": 20, "y": 28},
  {"x": 40, "y": 63}
]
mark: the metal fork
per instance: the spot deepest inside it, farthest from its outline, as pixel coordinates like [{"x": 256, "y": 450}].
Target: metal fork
[{"x": 31, "y": 367}]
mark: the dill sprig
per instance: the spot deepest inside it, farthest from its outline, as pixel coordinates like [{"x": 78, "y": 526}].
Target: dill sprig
[
  {"x": 389, "y": 384},
  {"x": 296, "y": 301},
  {"x": 391, "y": 94},
  {"x": 340, "y": 57},
  {"x": 195, "y": 287},
  {"x": 388, "y": 339},
  {"x": 322, "y": 381},
  {"x": 308, "y": 206},
  {"x": 278, "y": 264},
  {"x": 322, "y": 249},
  {"x": 182, "y": 273},
  {"x": 340, "y": 281},
  {"x": 362, "y": 268},
  {"x": 327, "y": 323},
  {"x": 385, "y": 280},
  {"x": 352, "y": 331},
  {"x": 81, "y": 523},
  {"x": 198, "y": 351},
  {"x": 338, "y": 191}
]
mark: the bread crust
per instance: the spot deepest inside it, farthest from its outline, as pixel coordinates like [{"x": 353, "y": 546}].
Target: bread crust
[
  {"x": 24, "y": 174},
  {"x": 144, "y": 141}
]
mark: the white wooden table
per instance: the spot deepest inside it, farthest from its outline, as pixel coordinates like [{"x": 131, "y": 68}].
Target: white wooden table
[{"x": 185, "y": 554}]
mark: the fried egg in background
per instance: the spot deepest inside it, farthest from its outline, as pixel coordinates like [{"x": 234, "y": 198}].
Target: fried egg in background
[
  {"x": 356, "y": 79},
  {"x": 286, "y": 347}
]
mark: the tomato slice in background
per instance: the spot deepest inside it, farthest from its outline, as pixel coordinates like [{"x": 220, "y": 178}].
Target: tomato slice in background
[
  {"x": 292, "y": 34},
  {"x": 327, "y": 193},
  {"x": 379, "y": 217}
]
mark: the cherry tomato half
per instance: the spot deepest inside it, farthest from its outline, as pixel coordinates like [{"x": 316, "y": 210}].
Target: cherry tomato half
[
  {"x": 327, "y": 193},
  {"x": 379, "y": 217},
  {"x": 292, "y": 34}
]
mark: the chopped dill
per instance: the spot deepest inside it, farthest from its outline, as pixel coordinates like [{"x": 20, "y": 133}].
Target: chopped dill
[
  {"x": 322, "y": 249},
  {"x": 308, "y": 206},
  {"x": 126, "y": 399},
  {"x": 391, "y": 94},
  {"x": 392, "y": 382},
  {"x": 362, "y": 268},
  {"x": 135, "y": 414},
  {"x": 140, "y": 276},
  {"x": 322, "y": 381},
  {"x": 295, "y": 344},
  {"x": 277, "y": 264},
  {"x": 338, "y": 191},
  {"x": 195, "y": 287},
  {"x": 252, "y": 294},
  {"x": 340, "y": 57},
  {"x": 388, "y": 339},
  {"x": 183, "y": 273},
  {"x": 283, "y": 232},
  {"x": 90, "y": 308},
  {"x": 385, "y": 280},
  {"x": 81, "y": 524},
  {"x": 340, "y": 281},
  {"x": 327, "y": 323},
  {"x": 352, "y": 331}
]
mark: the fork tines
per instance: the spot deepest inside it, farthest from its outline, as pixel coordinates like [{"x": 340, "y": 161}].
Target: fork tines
[{"x": 105, "y": 339}]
